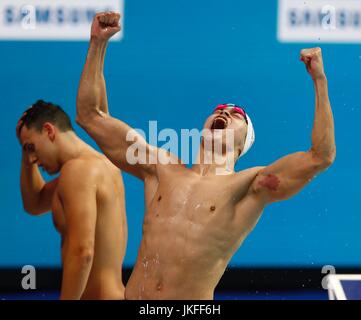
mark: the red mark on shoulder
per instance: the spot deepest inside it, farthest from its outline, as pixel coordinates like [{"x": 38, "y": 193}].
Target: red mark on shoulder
[{"x": 270, "y": 182}]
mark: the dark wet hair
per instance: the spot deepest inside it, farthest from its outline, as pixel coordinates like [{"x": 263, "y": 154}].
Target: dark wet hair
[{"x": 41, "y": 112}]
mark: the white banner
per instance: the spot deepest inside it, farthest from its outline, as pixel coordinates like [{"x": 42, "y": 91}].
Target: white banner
[
  {"x": 329, "y": 21},
  {"x": 52, "y": 19}
]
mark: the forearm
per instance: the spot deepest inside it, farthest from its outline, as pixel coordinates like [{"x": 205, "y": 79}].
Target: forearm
[
  {"x": 323, "y": 136},
  {"x": 76, "y": 270},
  {"x": 31, "y": 184},
  {"x": 92, "y": 96}
]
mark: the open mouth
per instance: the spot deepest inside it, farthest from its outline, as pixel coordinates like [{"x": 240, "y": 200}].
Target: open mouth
[{"x": 219, "y": 123}]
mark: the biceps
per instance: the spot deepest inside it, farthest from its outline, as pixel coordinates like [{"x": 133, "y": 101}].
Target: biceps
[
  {"x": 286, "y": 177},
  {"x": 124, "y": 146},
  {"x": 46, "y": 196},
  {"x": 81, "y": 214},
  {"x": 109, "y": 133}
]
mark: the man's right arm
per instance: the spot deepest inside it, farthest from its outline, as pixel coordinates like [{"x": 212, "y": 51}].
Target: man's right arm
[
  {"x": 36, "y": 193},
  {"x": 92, "y": 107}
]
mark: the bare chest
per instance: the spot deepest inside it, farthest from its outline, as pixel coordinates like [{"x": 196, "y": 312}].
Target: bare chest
[
  {"x": 189, "y": 206},
  {"x": 204, "y": 205}
]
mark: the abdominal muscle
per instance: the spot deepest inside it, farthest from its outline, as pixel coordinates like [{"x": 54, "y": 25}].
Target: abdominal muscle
[
  {"x": 184, "y": 280},
  {"x": 174, "y": 267}
]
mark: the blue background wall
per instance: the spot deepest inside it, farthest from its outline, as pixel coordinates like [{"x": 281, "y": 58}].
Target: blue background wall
[{"x": 189, "y": 56}]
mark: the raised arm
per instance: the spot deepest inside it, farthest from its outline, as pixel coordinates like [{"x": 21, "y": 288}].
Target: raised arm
[
  {"x": 92, "y": 106},
  {"x": 290, "y": 174},
  {"x": 78, "y": 192},
  {"x": 36, "y": 193}
]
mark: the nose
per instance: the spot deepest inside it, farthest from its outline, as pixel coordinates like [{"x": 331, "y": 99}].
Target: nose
[{"x": 224, "y": 111}]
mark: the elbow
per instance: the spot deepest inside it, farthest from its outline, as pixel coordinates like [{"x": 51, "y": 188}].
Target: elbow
[
  {"x": 83, "y": 113},
  {"x": 28, "y": 209},
  {"x": 79, "y": 119},
  {"x": 81, "y": 116},
  {"x": 84, "y": 254},
  {"x": 330, "y": 159},
  {"x": 85, "y": 118},
  {"x": 325, "y": 161},
  {"x": 31, "y": 210}
]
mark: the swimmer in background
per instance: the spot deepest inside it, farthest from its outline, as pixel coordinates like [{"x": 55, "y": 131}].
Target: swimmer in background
[
  {"x": 196, "y": 218},
  {"x": 86, "y": 200}
]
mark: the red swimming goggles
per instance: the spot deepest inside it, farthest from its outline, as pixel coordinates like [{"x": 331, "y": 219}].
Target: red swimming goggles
[{"x": 235, "y": 108}]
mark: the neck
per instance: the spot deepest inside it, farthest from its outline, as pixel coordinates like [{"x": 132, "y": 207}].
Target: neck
[
  {"x": 211, "y": 163},
  {"x": 71, "y": 147}
]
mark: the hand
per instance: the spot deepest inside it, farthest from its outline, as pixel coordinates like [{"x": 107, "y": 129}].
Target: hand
[
  {"x": 19, "y": 124},
  {"x": 25, "y": 155},
  {"x": 312, "y": 58},
  {"x": 105, "y": 25}
]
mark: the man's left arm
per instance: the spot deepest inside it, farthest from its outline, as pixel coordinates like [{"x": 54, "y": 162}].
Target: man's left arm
[
  {"x": 77, "y": 189},
  {"x": 288, "y": 175}
]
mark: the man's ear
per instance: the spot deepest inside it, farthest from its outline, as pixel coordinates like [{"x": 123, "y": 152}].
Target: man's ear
[
  {"x": 50, "y": 130},
  {"x": 239, "y": 152},
  {"x": 243, "y": 144}
]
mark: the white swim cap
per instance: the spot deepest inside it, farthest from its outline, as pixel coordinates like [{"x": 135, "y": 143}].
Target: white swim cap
[{"x": 250, "y": 138}]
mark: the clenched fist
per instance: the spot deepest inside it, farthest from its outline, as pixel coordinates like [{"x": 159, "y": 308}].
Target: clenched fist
[
  {"x": 313, "y": 61},
  {"x": 105, "y": 25}
]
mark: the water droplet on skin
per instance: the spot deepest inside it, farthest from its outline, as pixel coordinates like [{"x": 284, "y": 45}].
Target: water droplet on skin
[{"x": 145, "y": 262}]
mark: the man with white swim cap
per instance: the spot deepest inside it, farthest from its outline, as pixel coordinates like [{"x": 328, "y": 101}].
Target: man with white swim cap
[
  {"x": 86, "y": 201},
  {"x": 196, "y": 218}
]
